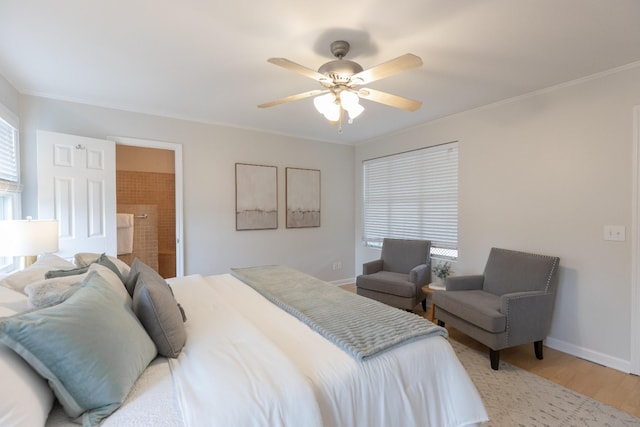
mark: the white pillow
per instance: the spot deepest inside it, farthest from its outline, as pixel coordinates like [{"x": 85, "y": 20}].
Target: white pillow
[
  {"x": 35, "y": 272},
  {"x": 25, "y": 397},
  {"x": 12, "y": 302}
]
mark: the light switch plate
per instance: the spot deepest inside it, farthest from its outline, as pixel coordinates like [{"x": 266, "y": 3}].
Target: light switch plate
[{"x": 614, "y": 232}]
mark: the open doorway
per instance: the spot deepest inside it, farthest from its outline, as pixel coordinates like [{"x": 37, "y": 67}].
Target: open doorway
[
  {"x": 145, "y": 197},
  {"x": 149, "y": 192}
]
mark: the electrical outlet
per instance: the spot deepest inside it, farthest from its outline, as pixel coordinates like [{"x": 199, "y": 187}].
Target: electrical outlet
[
  {"x": 614, "y": 232},
  {"x": 337, "y": 265}
]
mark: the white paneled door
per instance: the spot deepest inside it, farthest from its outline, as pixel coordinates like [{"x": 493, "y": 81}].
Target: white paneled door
[{"x": 76, "y": 186}]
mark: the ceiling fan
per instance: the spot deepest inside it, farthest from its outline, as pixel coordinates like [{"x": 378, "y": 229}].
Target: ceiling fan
[{"x": 341, "y": 78}]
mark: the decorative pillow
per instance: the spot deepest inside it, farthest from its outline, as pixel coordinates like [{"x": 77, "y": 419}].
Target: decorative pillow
[
  {"x": 84, "y": 259},
  {"x": 158, "y": 311},
  {"x": 52, "y": 274},
  {"x": 130, "y": 284},
  {"x": 91, "y": 348},
  {"x": 48, "y": 292},
  {"x": 132, "y": 279},
  {"x": 36, "y": 271},
  {"x": 25, "y": 397}
]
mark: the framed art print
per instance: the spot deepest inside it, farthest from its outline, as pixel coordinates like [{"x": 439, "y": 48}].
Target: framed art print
[
  {"x": 256, "y": 197},
  {"x": 303, "y": 197}
]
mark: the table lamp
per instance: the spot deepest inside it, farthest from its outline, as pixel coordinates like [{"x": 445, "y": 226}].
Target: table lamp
[{"x": 27, "y": 238}]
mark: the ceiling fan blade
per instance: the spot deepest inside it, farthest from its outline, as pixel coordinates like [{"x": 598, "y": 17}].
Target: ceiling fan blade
[
  {"x": 386, "y": 69},
  {"x": 300, "y": 69},
  {"x": 293, "y": 98},
  {"x": 389, "y": 99}
]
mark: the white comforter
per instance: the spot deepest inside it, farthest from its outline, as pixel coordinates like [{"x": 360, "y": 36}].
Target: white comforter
[{"x": 248, "y": 363}]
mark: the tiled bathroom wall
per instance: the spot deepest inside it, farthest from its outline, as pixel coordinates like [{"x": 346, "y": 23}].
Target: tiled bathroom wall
[
  {"x": 145, "y": 234},
  {"x": 152, "y": 188}
]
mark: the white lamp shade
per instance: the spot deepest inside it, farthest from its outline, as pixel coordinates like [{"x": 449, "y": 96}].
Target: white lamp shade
[
  {"x": 355, "y": 111},
  {"x": 332, "y": 113},
  {"x": 28, "y": 237},
  {"x": 349, "y": 100},
  {"x": 324, "y": 102}
]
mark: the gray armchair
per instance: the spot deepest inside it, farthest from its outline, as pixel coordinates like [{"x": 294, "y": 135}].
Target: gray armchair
[
  {"x": 397, "y": 277},
  {"x": 510, "y": 304}
]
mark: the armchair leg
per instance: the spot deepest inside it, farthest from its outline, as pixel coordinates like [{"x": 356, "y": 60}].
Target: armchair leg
[
  {"x": 537, "y": 346},
  {"x": 424, "y": 304},
  {"x": 494, "y": 356}
]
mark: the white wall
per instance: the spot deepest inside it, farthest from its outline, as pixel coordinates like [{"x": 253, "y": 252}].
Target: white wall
[
  {"x": 544, "y": 174},
  {"x": 212, "y": 245},
  {"x": 9, "y": 96}
]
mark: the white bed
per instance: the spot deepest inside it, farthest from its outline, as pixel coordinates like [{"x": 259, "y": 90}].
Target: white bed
[{"x": 246, "y": 362}]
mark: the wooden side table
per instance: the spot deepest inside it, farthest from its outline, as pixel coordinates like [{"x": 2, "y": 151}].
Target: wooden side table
[{"x": 428, "y": 290}]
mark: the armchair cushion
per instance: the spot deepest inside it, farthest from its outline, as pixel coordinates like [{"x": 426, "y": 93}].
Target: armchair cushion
[
  {"x": 477, "y": 307},
  {"x": 388, "y": 282}
]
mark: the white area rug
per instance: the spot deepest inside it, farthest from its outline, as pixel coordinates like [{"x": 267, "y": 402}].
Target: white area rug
[{"x": 514, "y": 397}]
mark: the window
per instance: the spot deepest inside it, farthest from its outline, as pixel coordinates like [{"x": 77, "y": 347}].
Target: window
[
  {"x": 413, "y": 195},
  {"x": 9, "y": 174}
]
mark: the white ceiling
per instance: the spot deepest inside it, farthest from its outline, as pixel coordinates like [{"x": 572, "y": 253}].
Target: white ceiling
[{"x": 206, "y": 60}]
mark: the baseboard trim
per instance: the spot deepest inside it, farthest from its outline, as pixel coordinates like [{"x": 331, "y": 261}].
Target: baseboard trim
[
  {"x": 343, "y": 282},
  {"x": 590, "y": 355}
]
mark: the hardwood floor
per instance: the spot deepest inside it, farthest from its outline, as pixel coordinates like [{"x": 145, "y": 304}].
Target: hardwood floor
[{"x": 604, "y": 384}]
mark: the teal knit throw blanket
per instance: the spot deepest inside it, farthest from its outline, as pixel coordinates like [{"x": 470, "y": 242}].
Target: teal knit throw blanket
[{"x": 360, "y": 326}]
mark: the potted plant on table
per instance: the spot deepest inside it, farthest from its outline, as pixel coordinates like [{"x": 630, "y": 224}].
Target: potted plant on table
[{"x": 442, "y": 270}]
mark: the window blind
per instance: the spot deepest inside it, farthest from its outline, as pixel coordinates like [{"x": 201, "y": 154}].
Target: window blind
[
  {"x": 413, "y": 195},
  {"x": 9, "y": 179},
  {"x": 9, "y": 171}
]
